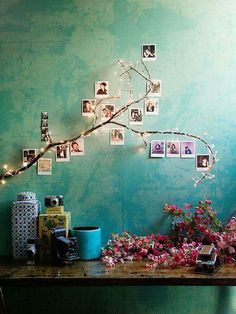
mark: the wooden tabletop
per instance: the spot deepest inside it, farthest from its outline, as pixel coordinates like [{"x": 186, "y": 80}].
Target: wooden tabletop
[{"x": 96, "y": 273}]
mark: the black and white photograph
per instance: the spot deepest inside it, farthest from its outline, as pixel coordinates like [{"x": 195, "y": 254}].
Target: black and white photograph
[
  {"x": 44, "y": 115},
  {"x": 202, "y": 162},
  {"x": 136, "y": 116},
  {"x": 117, "y": 136},
  {"x": 151, "y": 106},
  {"x": 101, "y": 89},
  {"x": 77, "y": 147},
  {"x": 28, "y": 155},
  {"x": 149, "y": 52},
  {"x": 45, "y": 166},
  {"x": 172, "y": 149},
  {"x": 88, "y": 107},
  {"x": 157, "y": 148},
  {"x": 154, "y": 88},
  {"x": 44, "y": 123},
  {"x": 44, "y": 134},
  {"x": 107, "y": 110},
  {"x": 62, "y": 153},
  {"x": 187, "y": 149}
]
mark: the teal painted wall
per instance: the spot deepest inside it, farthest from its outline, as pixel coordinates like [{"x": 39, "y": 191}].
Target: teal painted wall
[{"x": 52, "y": 52}]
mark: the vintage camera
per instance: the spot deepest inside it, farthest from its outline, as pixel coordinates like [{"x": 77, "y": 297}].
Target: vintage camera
[
  {"x": 32, "y": 251},
  {"x": 207, "y": 261},
  {"x": 52, "y": 201},
  {"x": 62, "y": 248}
]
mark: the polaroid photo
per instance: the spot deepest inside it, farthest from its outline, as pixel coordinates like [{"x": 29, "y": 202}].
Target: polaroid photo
[
  {"x": 28, "y": 155},
  {"x": 62, "y": 153},
  {"x": 187, "y": 149},
  {"x": 77, "y": 147},
  {"x": 117, "y": 136},
  {"x": 149, "y": 52},
  {"x": 154, "y": 88},
  {"x": 136, "y": 116},
  {"x": 157, "y": 148},
  {"x": 107, "y": 110},
  {"x": 172, "y": 149},
  {"x": 45, "y": 166},
  {"x": 101, "y": 89},
  {"x": 151, "y": 106},
  {"x": 88, "y": 107},
  {"x": 44, "y": 115},
  {"x": 202, "y": 162}
]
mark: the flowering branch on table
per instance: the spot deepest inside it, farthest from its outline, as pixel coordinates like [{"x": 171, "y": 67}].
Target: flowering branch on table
[{"x": 193, "y": 227}]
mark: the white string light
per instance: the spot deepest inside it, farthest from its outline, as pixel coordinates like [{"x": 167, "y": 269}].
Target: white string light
[{"x": 128, "y": 68}]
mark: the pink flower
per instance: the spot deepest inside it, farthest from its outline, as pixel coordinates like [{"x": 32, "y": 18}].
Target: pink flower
[{"x": 188, "y": 206}]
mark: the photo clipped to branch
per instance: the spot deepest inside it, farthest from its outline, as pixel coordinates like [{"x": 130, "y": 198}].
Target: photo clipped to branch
[
  {"x": 202, "y": 162},
  {"x": 157, "y": 148},
  {"x": 117, "y": 136},
  {"x": 77, "y": 147},
  {"x": 28, "y": 155},
  {"x": 187, "y": 149},
  {"x": 45, "y": 166},
  {"x": 173, "y": 149},
  {"x": 62, "y": 153}
]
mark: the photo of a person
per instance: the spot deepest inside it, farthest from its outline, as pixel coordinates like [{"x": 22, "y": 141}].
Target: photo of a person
[
  {"x": 149, "y": 52},
  {"x": 117, "y": 136},
  {"x": 202, "y": 162},
  {"x": 107, "y": 110},
  {"x": 44, "y": 115},
  {"x": 88, "y": 107},
  {"x": 151, "y": 106},
  {"x": 101, "y": 89},
  {"x": 157, "y": 148},
  {"x": 187, "y": 149},
  {"x": 154, "y": 88},
  {"x": 173, "y": 149},
  {"x": 77, "y": 147},
  {"x": 136, "y": 116},
  {"x": 62, "y": 153},
  {"x": 28, "y": 155}
]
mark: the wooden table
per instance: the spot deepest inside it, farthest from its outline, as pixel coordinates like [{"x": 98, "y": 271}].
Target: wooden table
[{"x": 97, "y": 274}]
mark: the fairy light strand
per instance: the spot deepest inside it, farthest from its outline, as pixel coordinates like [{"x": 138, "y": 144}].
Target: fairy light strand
[{"x": 128, "y": 68}]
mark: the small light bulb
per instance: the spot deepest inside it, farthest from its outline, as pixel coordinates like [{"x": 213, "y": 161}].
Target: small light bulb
[
  {"x": 3, "y": 181},
  {"x": 5, "y": 166}
]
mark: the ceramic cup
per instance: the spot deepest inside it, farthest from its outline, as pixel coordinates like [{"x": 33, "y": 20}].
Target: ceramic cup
[{"x": 88, "y": 241}]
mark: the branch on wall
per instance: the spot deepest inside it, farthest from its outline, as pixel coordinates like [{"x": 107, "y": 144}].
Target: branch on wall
[{"x": 127, "y": 68}]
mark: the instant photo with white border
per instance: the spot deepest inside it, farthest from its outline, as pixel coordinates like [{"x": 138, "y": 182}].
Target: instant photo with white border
[
  {"x": 151, "y": 106},
  {"x": 187, "y": 149},
  {"x": 202, "y": 162},
  {"x": 117, "y": 136},
  {"x": 77, "y": 147},
  {"x": 28, "y": 155},
  {"x": 107, "y": 110},
  {"x": 88, "y": 107},
  {"x": 172, "y": 148},
  {"x": 157, "y": 148},
  {"x": 62, "y": 153},
  {"x": 154, "y": 88},
  {"x": 45, "y": 166},
  {"x": 136, "y": 116},
  {"x": 101, "y": 89},
  {"x": 149, "y": 52}
]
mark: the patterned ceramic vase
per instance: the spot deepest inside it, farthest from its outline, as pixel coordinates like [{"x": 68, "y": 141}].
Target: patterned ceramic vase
[{"x": 24, "y": 222}]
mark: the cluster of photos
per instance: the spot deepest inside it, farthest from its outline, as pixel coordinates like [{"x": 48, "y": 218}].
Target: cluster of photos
[
  {"x": 151, "y": 103},
  {"x": 183, "y": 149},
  {"x": 159, "y": 148}
]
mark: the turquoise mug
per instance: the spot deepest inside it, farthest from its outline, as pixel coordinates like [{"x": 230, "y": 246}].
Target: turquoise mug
[{"x": 88, "y": 242}]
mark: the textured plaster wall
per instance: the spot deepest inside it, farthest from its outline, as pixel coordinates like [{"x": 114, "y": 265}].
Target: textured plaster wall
[{"x": 51, "y": 52}]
